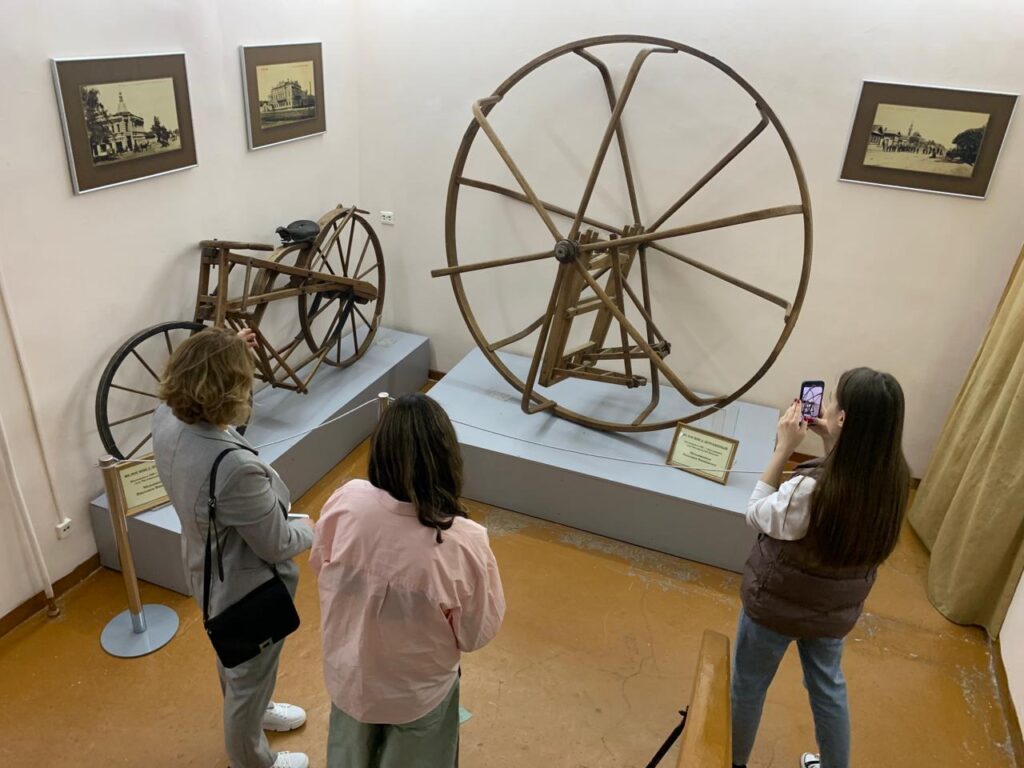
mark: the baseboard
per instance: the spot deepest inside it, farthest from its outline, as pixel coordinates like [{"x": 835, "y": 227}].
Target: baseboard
[
  {"x": 1003, "y": 685},
  {"x": 37, "y": 602}
]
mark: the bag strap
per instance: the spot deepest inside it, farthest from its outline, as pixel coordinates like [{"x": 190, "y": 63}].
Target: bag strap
[{"x": 211, "y": 528}]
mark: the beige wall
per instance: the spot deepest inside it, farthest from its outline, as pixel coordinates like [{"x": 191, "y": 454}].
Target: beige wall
[
  {"x": 85, "y": 272},
  {"x": 903, "y": 281}
]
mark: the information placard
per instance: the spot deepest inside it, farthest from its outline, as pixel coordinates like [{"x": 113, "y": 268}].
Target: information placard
[
  {"x": 141, "y": 486},
  {"x": 702, "y": 453}
]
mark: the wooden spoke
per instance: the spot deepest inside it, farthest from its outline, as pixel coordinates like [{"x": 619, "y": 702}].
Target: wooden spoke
[
  {"x": 491, "y": 264},
  {"x": 704, "y": 226},
  {"x": 361, "y": 315},
  {"x": 610, "y": 130},
  {"x": 369, "y": 269},
  {"x": 497, "y": 189},
  {"x": 320, "y": 310},
  {"x": 766, "y": 295},
  {"x": 348, "y": 251},
  {"x": 132, "y": 418},
  {"x": 620, "y": 134},
  {"x": 135, "y": 450},
  {"x": 355, "y": 337},
  {"x": 517, "y": 336},
  {"x": 145, "y": 365},
  {"x": 167, "y": 338},
  {"x": 135, "y": 391},
  {"x": 715, "y": 169},
  {"x": 489, "y": 131},
  {"x": 362, "y": 255}
]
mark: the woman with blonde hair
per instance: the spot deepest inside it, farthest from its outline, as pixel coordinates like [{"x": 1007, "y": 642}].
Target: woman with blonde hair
[{"x": 206, "y": 389}]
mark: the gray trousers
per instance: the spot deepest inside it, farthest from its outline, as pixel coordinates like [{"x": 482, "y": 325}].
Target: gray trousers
[
  {"x": 247, "y": 690},
  {"x": 430, "y": 742}
]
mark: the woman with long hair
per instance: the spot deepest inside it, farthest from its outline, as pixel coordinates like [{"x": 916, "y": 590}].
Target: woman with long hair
[
  {"x": 206, "y": 389},
  {"x": 822, "y": 535},
  {"x": 407, "y": 583}
]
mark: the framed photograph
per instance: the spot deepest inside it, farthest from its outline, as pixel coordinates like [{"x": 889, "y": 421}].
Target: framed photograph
[
  {"x": 125, "y": 118},
  {"x": 284, "y": 92},
  {"x": 930, "y": 139},
  {"x": 702, "y": 453}
]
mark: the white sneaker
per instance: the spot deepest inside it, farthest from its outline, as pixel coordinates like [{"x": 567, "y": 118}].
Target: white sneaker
[
  {"x": 283, "y": 717},
  {"x": 810, "y": 760},
  {"x": 291, "y": 760}
]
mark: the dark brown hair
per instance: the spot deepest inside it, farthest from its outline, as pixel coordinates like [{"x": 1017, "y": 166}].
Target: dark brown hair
[
  {"x": 415, "y": 457},
  {"x": 861, "y": 494},
  {"x": 209, "y": 378}
]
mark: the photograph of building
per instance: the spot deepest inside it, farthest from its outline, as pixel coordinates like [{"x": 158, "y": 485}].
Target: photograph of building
[
  {"x": 926, "y": 140},
  {"x": 286, "y": 93},
  {"x": 143, "y": 122}
]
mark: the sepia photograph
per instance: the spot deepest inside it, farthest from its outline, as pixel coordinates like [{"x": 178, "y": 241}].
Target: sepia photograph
[
  {"x": 287, "y": 93},
  {"x": 284, "y": 92},
  {"x": 926, "y": 140},
  {"x": 125, "y": 118},
  {"x": 130, "y": 120}
]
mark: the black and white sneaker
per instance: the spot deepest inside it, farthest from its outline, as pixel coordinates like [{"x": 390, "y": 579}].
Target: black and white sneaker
[{"x": 810, "y": 760}]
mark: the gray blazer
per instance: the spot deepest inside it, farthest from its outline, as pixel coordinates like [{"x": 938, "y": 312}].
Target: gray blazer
[{"x": 252, "y": 501}]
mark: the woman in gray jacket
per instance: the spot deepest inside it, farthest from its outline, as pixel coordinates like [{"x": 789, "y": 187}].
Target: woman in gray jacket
[{"x": 206, "y": 388}]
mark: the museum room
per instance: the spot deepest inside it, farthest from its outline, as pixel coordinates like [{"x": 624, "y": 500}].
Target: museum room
[{"x": 512, "y": 385}]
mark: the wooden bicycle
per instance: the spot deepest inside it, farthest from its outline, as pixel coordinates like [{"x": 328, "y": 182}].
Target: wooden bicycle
[
  {"x": 593, "y": 266},
  {"x": 333, "y": 269}
]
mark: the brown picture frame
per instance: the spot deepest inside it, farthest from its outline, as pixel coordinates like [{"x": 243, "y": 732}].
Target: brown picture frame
[
  {"x": 254, "y": 56},
  {"x": 998, "y": 106},
  {"x": 711, "y": 474},
  {"x": 71, "y": 75}
]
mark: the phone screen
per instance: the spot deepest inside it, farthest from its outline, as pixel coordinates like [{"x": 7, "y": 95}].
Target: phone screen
[{"x": 811, "y": 394}]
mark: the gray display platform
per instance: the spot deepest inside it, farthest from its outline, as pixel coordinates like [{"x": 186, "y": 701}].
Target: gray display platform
[
  {"x": 396, "y": 362},
  {"x": 612, "y": 484}
]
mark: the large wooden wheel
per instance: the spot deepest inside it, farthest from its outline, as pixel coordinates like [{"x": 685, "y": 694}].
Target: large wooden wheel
[
  {"x": 602, "y": 270},
  {"x": 129, "y": 388},
  {"x": 347, "y": 246}
]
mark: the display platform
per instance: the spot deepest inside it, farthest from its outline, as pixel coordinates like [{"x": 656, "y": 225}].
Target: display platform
[
  {"x": 612, "y": 484},
  {"x": 396, "y": 363}
]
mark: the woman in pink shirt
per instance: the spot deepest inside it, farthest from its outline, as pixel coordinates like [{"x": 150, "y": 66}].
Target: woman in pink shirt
[{"x": 407, "y": 582}]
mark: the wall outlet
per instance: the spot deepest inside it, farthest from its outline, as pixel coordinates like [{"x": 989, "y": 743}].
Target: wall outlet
[
  {"x": 64, "y": 528},
  {"x": 387, "y": 217}
]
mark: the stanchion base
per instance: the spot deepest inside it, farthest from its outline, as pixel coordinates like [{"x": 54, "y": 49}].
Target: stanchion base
[{"x": 119, "y": 639}]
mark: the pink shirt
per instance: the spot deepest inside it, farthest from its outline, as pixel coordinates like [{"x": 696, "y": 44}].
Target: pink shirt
[{"x": 396, "y": 607}]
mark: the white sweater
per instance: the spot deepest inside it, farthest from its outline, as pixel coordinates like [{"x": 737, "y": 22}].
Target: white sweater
[{"x": 784, "y": 513}]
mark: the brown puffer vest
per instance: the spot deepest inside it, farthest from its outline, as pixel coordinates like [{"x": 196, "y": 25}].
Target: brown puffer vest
[{"x": 787, "y": 591}]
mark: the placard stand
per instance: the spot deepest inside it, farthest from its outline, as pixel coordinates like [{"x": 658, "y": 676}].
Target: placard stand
[{"x": 141, "y": 629}]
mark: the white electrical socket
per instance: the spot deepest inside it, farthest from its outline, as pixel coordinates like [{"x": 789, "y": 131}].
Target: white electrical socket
[
  {"x": 64, "y": 528},
  {"x": 387, "y": 217}
]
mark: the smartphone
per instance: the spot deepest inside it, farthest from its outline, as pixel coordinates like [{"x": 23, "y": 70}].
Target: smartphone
[
  {"x": 297, "y": 516},
  {"x": 811, "y": 394}
]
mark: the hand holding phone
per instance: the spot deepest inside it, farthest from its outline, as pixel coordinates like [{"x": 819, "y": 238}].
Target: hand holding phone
[{"x": 811, "y": 395}]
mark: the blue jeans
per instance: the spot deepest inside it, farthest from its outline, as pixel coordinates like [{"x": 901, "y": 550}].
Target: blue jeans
[{"x": 759, "y": 652}]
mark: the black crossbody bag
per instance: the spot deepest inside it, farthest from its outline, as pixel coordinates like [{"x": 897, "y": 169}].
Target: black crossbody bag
[{"x": 263, "y": 617}]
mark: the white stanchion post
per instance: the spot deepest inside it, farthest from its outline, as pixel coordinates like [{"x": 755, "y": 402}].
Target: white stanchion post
[
  {"x": 383, "y": 401},
  {"x": 141, "y": 629}
]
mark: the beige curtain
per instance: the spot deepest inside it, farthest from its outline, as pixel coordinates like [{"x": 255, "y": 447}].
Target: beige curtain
[{"x": 969, "y": 509}]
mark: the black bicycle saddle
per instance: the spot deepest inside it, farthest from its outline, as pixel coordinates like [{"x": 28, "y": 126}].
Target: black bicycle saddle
[{"x": 301, "y": 231}]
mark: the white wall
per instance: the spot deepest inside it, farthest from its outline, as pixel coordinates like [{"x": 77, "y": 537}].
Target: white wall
[
  {"x": 903, "y": 281},
  {"x": 85, "y": 272},
  {"x": 1011, "y": 643}
]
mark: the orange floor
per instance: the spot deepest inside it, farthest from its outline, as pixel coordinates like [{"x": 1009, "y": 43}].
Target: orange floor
[{"x": 595, "y": 657}]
